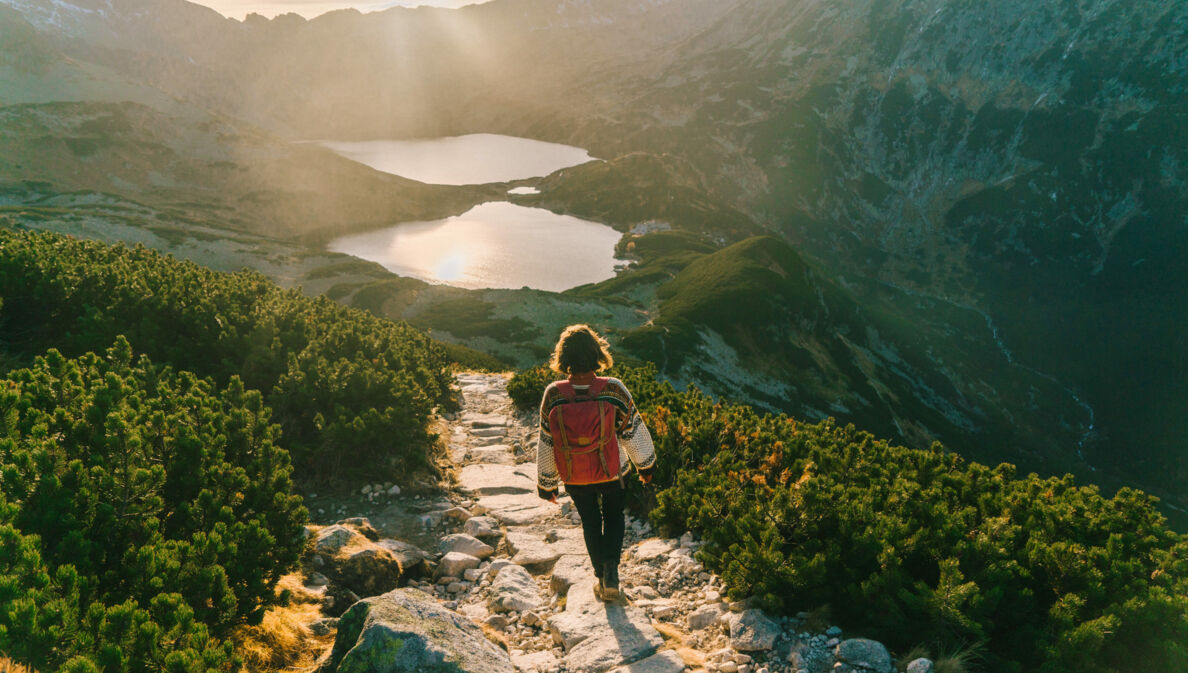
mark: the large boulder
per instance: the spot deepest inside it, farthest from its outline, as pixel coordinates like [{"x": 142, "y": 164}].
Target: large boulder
[
  {"x": 413, "y": 560},
  {"x": 862, "y": 655},
  {"x": 331, "y": 539},
  {"x": 367, "y": 570},
  {"x": 752, "y": 630},
  {"x": 406, "y": 631}
]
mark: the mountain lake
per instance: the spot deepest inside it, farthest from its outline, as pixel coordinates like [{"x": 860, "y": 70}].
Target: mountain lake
[{"x": 495, "y": 244}]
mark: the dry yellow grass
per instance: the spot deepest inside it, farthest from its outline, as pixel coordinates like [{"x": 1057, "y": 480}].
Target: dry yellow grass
[
  {"x": 283, "y": 641},
  {"x": 9, "y": 666}
]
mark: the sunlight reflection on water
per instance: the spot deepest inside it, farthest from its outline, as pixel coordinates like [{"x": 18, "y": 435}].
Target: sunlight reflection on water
[{"x": 493, "y": 245}]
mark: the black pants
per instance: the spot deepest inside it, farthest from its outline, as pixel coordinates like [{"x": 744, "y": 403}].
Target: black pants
[{"x": 601, "y": 509}]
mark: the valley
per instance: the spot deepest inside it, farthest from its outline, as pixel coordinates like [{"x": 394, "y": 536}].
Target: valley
[{"x": 937, "y": 233}]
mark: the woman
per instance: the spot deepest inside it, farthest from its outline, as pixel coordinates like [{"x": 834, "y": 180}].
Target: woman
[{"x": 590, "y": 436}]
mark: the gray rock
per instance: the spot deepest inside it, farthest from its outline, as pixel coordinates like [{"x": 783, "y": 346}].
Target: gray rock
[
  {"x": 569, "y": 570},
  {"x": 324, "y": 626},
  {"x": 495, "y": 454},
  {"x": 833, "y": 631},
  {"x": 513, "y": 589},
  {"x": 752, "y": 630},
  {"x": 484, "y": 420},
  {"x": 370, "y": 571},
  {"x": 489, "y": 432},
  {"x": 654, "y": 548},
  {"x": 920, "y": 665},
  {"x": 864, "y": 654},
  {"x": 414, "y": 560},
  {"x": 538, "y": 552},
  {"x": 705, "y": 616},
  {"x": 536, "y": 662},
  {"x": 453, "y": 564},
  {"x": 333, "y": 538},
  {"x": 663, "y": 662},
  {"x": 466, "y": 544},
  {"x": 407, "y": 631},
  {"x": 457, "y": 514},
  {"x": 598, "y": 636},
  {"x": 484, "y": 528},
  {"x": 515, "y": 509},
  {"x": 487, "y": 479}
]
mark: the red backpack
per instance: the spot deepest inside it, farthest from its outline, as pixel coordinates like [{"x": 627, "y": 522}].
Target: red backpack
[{"x": 584, "y": 443}]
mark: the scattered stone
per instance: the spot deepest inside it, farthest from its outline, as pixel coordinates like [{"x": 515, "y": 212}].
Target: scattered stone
[
  {"x": 453, "y": 564},
  {"x": 466, "y": 544},
  {"x": 704, "y": 616},
  {"x": 834, "y": 631},
  {"x": 473, "y": 574},
  {"x": 752, "y": 630},
  {"x": 499, "y": 622},
  {"x": 920, "y": 665},
  {"x": 324, "y": 626},
  {"x": 664, "y": 611},
  {"x": 457, "y": 514},
  {"x": 530, "y": 618},
  {"x": 394, "y": 490},
  {"x": 649, "y": 550},
  {"x": 513, "y": 589},
  {"x": 862, "y": 654},
  {"x": 483, "y": 527},
  {"x": 316, "y": 579}
]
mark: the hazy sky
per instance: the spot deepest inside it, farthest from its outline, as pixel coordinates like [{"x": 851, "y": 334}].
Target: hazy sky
[{"x": 237, "y": 9}]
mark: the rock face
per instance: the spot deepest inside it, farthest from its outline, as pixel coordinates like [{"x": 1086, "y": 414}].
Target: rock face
[{"x": 407, "y": 631}]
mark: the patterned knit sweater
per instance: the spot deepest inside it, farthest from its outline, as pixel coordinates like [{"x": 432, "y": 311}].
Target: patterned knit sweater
[{"x": 635, "y": 442}]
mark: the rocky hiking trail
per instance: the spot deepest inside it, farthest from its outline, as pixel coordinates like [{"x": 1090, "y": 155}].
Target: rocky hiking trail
[{"x": 509, "y": 588}]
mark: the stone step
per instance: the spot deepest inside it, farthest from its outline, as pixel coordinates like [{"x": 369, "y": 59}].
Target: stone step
[
  {"x": 598, "y": 636},
  {"x": 490, "y": 479}
]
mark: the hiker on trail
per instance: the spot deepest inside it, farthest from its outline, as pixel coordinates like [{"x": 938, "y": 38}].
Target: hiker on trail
[{"x": 590, "y": 436}]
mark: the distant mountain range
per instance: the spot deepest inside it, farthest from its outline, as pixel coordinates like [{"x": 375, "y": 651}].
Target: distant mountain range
[{"x": 1003, "y": 187}]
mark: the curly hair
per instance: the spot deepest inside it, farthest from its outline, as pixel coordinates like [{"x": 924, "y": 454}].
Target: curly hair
[{"x": 580, "y": 349}]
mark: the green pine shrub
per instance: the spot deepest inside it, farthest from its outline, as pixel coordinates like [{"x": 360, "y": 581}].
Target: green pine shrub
[
  {"x": 910, "y": 546},
  {"x": 351, "y": 391},
  {"x": 143, "y": 513}
]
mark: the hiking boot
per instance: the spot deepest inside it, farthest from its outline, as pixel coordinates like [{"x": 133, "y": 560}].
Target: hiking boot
[{"x": 610, "y": 582}]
